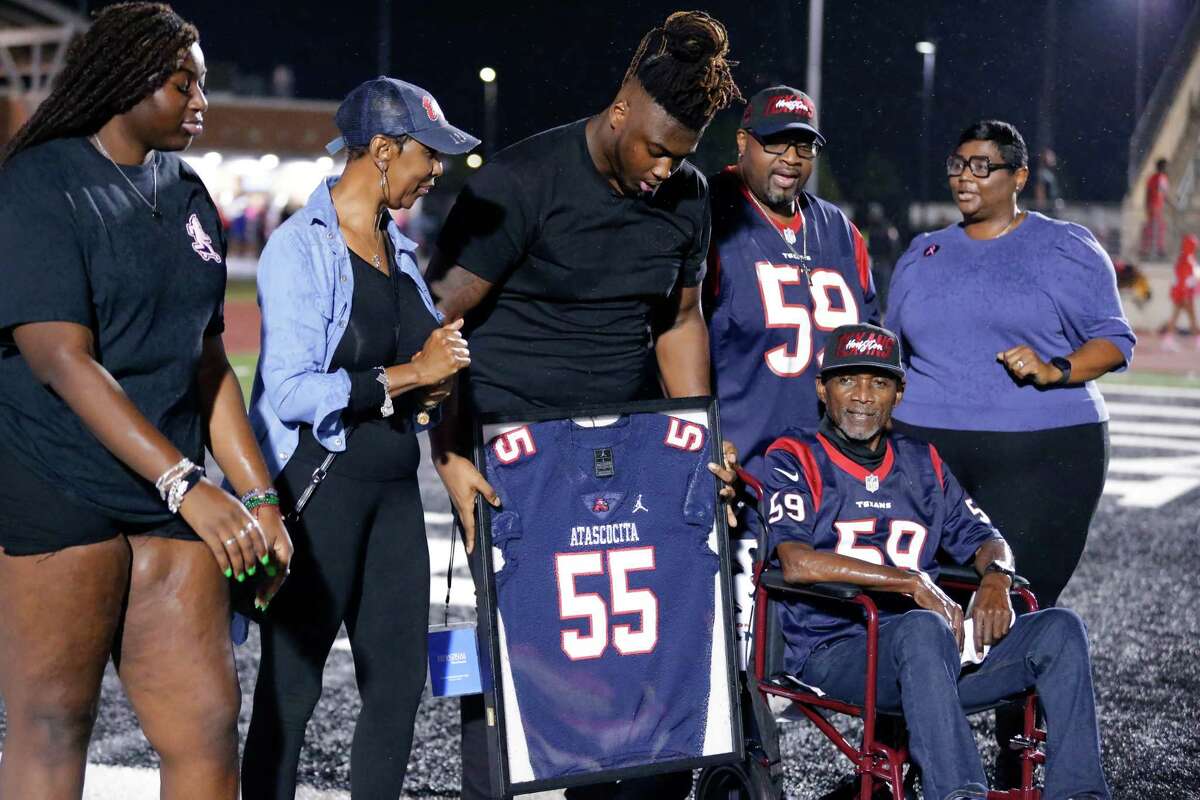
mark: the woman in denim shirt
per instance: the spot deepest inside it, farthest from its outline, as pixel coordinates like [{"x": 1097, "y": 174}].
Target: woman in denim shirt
[{"x": 352, "y": 361}]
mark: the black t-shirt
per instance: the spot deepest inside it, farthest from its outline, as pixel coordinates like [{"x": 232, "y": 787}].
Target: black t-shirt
[
  {"x": 388, "y": 324},
  {"x": 80, "y": 246},
  {"x": 579, "y": 270}
]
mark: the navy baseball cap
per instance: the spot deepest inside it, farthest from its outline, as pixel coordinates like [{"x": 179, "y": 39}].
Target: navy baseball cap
[
  {"x": 862, "y": 346},
  {"x": 781, "y": 108},
  {"x": 394, "y": 108}
]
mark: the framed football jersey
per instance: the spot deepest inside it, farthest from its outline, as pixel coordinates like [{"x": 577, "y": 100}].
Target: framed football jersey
[{"x": 608, "y": 615}]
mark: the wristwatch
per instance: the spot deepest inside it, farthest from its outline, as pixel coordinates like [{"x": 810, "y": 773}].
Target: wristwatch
[
  {"x": 1064, "y": 366},
  {"x": 996, "y": 566}
]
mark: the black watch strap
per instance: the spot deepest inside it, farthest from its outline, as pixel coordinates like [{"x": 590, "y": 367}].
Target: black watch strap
[
  {"x": 996, "y": 566},
  {"x": 1064, "y": 366}
]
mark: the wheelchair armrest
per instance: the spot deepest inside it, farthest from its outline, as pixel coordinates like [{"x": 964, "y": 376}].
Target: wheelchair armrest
[
  {"x": 965, "y": 573},
  {"x": 774, "y": 581}
]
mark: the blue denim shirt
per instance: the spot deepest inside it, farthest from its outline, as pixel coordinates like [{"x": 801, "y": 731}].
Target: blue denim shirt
[{"x": 305, "y": 286}]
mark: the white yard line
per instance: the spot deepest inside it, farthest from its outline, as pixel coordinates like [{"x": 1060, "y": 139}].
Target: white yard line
[
  {"x": 1151, "y": 410},
  {"x": 1180, "y": 392},
  {"x": 1154, "y": 428}
]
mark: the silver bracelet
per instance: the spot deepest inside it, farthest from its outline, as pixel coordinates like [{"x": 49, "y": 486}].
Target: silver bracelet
[
  {"x": 385, "y": 410},
  {"x": 173, "y": 474},
  {"x": 181, "y": 487}
]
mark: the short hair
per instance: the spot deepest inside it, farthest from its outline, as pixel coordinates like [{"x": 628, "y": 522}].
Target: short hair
[
  {"x": 1161, "y": 164},
  {"x": 682, "y": 65},
  {"x": 1004, "y": 135},
  {"x": 127, "y": 54}
]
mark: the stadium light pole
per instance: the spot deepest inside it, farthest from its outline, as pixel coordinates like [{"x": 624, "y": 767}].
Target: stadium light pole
[
  {"x": 491, "y": 102},
  {"x": 812, "y": 78},
  {"x": 928, "y": 51}
]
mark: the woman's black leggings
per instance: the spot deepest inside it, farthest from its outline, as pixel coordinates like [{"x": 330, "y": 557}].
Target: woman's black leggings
[
  {"x": 1040, "y": 488},
  {"x": 361, "y": 558}
]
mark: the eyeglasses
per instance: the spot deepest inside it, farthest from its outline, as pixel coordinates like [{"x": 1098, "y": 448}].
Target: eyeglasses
[
  {"x": 805, "y": 148},
  {"x": 980, "y": 166}
]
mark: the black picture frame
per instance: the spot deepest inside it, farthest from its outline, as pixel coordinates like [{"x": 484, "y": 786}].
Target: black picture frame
[{"x": 501, "y": 781}]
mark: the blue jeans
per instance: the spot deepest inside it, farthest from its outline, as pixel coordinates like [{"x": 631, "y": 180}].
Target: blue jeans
[{"x": 919, "y": 675}]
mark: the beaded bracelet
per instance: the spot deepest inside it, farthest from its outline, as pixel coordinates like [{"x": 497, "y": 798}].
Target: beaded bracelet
[{"x": 260, "y": 497}]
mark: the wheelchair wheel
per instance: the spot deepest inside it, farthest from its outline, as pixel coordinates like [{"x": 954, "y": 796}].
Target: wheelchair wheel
[{"x": 749, "y": 779}]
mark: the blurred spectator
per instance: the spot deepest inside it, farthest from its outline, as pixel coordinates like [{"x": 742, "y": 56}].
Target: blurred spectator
[
  {"x": 1047, "y": 192},
  {"x": 1154, "y": 235},
  {"x": 1132, "y": 281},
  {"x": 884, "y": 247},
  {"x": 1183, "y": 294}
]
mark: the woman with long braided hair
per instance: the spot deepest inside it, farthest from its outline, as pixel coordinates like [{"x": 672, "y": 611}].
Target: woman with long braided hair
[
  {"x": 576, "y": 257},
  {"x": 113, "y": 379}
]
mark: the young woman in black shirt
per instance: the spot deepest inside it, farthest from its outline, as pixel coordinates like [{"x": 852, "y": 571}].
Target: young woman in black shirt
[{"x": 113, "y": 380}]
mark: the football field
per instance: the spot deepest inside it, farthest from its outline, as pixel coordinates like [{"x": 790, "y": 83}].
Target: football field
[{"x": 1136, "y": 588}]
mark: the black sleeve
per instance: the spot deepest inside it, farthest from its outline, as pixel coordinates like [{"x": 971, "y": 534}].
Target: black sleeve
[
  {"x": 366, "y": 392},
  {"x": 697, "y": 257},
  {"x": 42, "y": 265},
  {"x": 216, "y": 325},
  {"x": 490, "y": 225}
]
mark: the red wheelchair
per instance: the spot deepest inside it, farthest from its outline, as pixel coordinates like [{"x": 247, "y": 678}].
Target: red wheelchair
[
  {"x": 875, "y": 762},
  {"x": 872, "y": 759}
]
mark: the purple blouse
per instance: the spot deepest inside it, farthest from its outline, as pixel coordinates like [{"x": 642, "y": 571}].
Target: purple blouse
[{"x": 956, "y": 302}]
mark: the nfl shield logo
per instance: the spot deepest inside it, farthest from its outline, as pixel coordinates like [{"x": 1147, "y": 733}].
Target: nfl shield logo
[
  {"x": 789, "y": 236},
  {"x": 872, "y": 483}
]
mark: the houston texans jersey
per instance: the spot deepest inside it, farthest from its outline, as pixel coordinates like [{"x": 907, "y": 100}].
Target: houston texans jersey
[
  {"x": 899, "y": 514},
  {"x": 606, "y": 589},
  {"x": 767, "y": 320}
]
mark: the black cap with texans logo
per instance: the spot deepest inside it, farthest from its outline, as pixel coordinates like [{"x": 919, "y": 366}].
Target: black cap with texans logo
[
  {"x": 862, "y": 346},
  {"x": 781, "y": 108}
]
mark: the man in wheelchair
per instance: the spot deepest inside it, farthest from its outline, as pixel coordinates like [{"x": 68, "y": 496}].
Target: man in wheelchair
[{"x": 854, "y": 503}]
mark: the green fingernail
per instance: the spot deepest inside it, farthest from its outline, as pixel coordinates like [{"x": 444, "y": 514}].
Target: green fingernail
[
  {"x": 241, "y": 578},
  {"x": 266, "y": 558},
  {"x": 229, "y": 572},
  {"x": 250, "y": 571},
  {"x": 257, "y": 606},
  {"x": 270, "y": 571}
]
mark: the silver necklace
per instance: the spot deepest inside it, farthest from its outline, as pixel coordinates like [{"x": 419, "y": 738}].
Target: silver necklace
[
  {"x": 1011, "y": 222},
  {"x": 803, "y": 257},
  {"x": 154, "y": 212}
]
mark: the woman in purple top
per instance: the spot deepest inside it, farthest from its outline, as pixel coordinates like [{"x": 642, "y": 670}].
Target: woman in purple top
[{"x": 1006, "y": 320}]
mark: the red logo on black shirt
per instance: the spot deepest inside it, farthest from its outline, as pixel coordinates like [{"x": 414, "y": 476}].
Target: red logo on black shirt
[{"x": 201, "y": 241}]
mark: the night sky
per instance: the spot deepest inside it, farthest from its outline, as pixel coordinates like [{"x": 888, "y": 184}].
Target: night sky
[{"x": 559, "y": 61}]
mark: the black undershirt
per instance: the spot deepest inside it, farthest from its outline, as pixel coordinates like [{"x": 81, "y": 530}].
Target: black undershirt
[
  {"x": 858, "y": 452},
  {"x": 388, "y": 324}
]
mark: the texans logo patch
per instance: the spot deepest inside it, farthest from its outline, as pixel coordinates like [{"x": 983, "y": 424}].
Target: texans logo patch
[{"x": 602, "y": 503}]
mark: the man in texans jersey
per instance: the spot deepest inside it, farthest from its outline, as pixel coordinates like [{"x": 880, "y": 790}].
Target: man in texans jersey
[
  {"x": 606, "y": 592},
  {"x": 854, "y": 503},
  {"x": 784, "y": 269}
]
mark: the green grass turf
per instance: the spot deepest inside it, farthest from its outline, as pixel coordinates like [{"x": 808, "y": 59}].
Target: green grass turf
[
  {"x": 243, "y": 365},
  {"x": 1150, "y": 379}
]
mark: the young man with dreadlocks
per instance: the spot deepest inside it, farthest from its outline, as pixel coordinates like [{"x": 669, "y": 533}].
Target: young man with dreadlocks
[
  {"x": 112, "y": 542},
  {"x": 576, "y": 257}
]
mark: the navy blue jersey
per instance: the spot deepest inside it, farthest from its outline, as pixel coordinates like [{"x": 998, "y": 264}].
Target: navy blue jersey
[
  {"x": 900, "y": 515},
  {"x": 767, "y": 324},
  {"x": 606, "y": 589}
]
